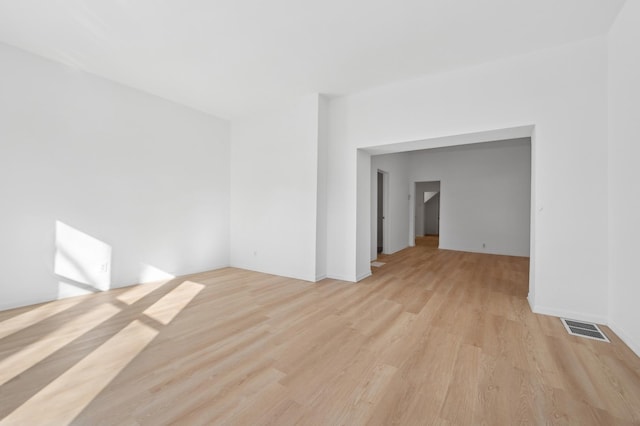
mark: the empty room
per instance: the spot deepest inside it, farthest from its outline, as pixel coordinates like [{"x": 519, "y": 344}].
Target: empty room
[{"x": 319, "y": 212}]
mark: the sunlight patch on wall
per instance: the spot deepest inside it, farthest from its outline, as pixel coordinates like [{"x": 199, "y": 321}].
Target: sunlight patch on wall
[
  {"x": 80, "y": 384},
  {"x": 150, "y": 273},
  {"x": 151, "y": 278},
  {"x": 165, "y": 309},
  {"x": 82, "y": 258},
  {"x": 429, "y": 195},
  {"x": 68, "y": 289},
  {"x": 31, "y": 354}
]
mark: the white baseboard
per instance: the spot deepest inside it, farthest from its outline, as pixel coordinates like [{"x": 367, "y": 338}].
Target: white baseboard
[
  {"x": 349, "y": 279},
  {"x": 363, "y": 276},
  {"x": 625, "y": 337},
  {"x": 340, "y": 278},
  {"x": 561, "y": 313},
  {"x": 268, "y": 271},
  {"x": 321, "y": 277}
]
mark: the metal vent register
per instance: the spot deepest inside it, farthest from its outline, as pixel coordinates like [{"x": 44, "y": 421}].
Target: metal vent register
[{"x": 584, "y": 329}]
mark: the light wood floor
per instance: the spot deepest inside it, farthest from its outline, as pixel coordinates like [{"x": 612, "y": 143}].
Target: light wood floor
[{"x": 433, "y": 337}]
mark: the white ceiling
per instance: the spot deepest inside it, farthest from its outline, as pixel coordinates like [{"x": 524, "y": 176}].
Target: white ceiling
[{"x": 231, "y": 57}]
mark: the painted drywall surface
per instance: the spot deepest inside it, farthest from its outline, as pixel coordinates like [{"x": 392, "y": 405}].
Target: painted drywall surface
[
  {"x": 431, "y": 216},
  {"x": 147, "y": 177},
  {"x": 321, "y": 208},
  {"x": 624, "y": 174},
  {"x": 485, "y": 194},
  {"x": 274, "y": 187},
  {"x": 363, "y": 244},
  {"x": 419, "y": 205},
  {"x": 562, "y": 92},
  {"x": 341, "y": 201},
  {"x": 398, "y": 204}
]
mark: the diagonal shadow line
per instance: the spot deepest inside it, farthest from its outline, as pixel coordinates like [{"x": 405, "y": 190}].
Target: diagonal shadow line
[
  {"x": 47, "y": 370},
  {"x": 25, "y": 336},
  {"x": 81, "y": 286},
  {"x": 47, "y": 325},
  {"x": 50, "y": 319},
  {"x": 22, "y": 310},
  {"x": 82, "y": 270}
]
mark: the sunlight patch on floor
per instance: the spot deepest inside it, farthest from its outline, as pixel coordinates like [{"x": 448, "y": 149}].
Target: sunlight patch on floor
[
  {"x": 165, "y": 309},
  {"x": 34, "y": 316},
  {"x": 137, "y": 292},
  {"x": 64, "y": 398},
  {"x": 32, "y": 354}
]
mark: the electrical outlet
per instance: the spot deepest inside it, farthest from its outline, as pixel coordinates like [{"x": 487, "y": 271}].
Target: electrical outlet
[{"x": 484, "y": 245}]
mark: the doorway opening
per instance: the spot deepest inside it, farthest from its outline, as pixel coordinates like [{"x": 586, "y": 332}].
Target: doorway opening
[
  {"x": 468, "y": 230},
  {"x": 427, "y": 213},
  {"x": 382, "y": 211}
]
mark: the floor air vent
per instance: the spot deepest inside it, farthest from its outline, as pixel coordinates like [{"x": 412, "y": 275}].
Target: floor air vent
[{"x": 584, "y": 329}]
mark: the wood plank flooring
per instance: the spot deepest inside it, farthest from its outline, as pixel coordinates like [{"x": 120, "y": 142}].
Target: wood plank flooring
[{"x": 433, "y": 337}]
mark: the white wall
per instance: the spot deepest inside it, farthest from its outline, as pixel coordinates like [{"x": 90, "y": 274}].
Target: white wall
[
  {"x": 397, "y": 217},
  {"x": 485, "y": 194},
  {"x": 321, "y": 207},
  {"x": 145, "y": 176},
  {"x": 624, "y": 174},
  {"x": 562, "y": 91},
  {"x": 274, "y": 187}
]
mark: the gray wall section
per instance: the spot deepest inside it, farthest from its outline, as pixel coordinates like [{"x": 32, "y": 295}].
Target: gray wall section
[
  {"x": 432, "y": 216},
  {"x": 485, "y": 195},
  {"x": 420, "y": 205}
]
